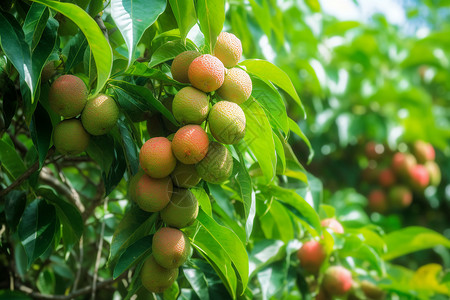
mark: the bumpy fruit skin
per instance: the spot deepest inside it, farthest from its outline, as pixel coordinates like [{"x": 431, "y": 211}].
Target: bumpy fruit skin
[
  {"x": 217, "y": 165},
  {"x": 423, "y": 151},
  {"x": 156, "y": 157},
  {"x": 180, "y": 65},
  {"x": 434, "y": 172},
  {"x": 378, "y": 201},
  {"x": 228, "y": 49},
  {"x": 333, "y": 224},
  {"x": 182, "y": 209},
  {"x": 387, "y": 178},
  {"x": 402, "y": 163},
  {"x": 419, "y": 177},
  {"x": 227, "y": 122},
  {"x": 400, "y": 197},
  {"x": 190, "y": 144},
  {"x": 311, "y": 255},
  {"x": 155, "y": 278},
  {"x": 67, "y": 96},
  {"x": 100, "y": 115},
  {"x": 237, "y": 86},
  {"x": 152, "y": 194},
  {"x": 190, "y": 106},
  {"x": 371, "y": 291},
  {"x": 170, "y": 247},
  {"x": 185, "y": 176},
  {"x": 337, "y": 281},
  {"x": 69, "y": 137},
  {"x": 49, "y": 70},
  {"x": 206, "y": 73}
]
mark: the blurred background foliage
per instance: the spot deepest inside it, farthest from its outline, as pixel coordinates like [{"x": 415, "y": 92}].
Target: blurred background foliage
[{"x": 365, "y": 71}]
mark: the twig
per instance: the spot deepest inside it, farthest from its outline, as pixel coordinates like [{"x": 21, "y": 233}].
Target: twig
[
  {"x": 77, "y": 293},
  {"x": 102, "y": 26},
  {"x": 99, "y": 251},
  {"x": 61, "y": 188},
  {"x": 80, "y": 265},
  {"x": 25, "y": 175}
]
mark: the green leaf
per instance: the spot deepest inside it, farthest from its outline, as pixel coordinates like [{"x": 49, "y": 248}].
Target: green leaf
[
  {"x": 135, "y": 225},
  {"x": 339, "y": 28},
  {"x": 269, "y": 98},
  {"x": 145, "y": 97},
  {"x": 135, "y": 252},
  {"x": 15, "y": 202},
  {"x": 270, "y": 72},
  {"x": 101, "y": 149},
  {"x": 294, "y": 200},
  {"x": 412, "y": 239},
  {"x": 276, "y": 223},
  {"x": 99, "y": 46},
  {"x": 264, "y": 253},
  {"x": 293, "y": 126},
  {"x": 129, "y": 146},
  {"x": 41, "y": 132},
  {"x": 74, "y": 51},
  {"x": 10, "y": 160},
  {"x": 211, "y": 14},
  {"x": 13, "y": 295},
  {"x": 203, "y": 200},
  {"x": 314, "y": 5},
  {"x": 133, "y": 17},
  {"x": 258, "y": 137},
  {"x": 141, "y": 69},
  {"x": 221, "y": 245},
  {"x": 35, "y": 23},
  {"x": 115, "y": 173},
  {"x": 247, "y": 194},
  {"x": 262, "y": 16},
  {"x": 198, "y": 282},
  {"x": 168, "y": 51},
  {"x": 36, "y": 228},
  {"x": 184, "y": 12},
  {"x": 68, "y": 215}
]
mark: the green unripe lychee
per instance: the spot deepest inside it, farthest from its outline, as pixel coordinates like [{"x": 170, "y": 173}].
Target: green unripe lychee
[
  {"x": 69, "y": 137},
  {"x": 180, "y": 65},
  {"x": 228, "y": 49},
  {"x": 151, "y": 194},
  {"x": 400, "y": 197},
  {"x": 156, "y": 157},
  {"x": 182, "y": 209},
  {"x": 371, "y": 291},
  {"x": 190, "y": 106},
  {"x": 190, "y": 144},
  {"x": 100, "y": 115},
  {"x": 237, "y": 86},
  {"x": 217, "y": 165},
  {"x": 170, "y": 247},
  {"x": 67, "y": 96},
  {"x": 155, "y": 278},
  {"x": 185, "y": 176},
  {"x": 434, "y": 171},
  {"x": 227, "y": 122}
]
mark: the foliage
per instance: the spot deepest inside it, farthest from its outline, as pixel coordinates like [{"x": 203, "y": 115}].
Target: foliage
[{"x": 68, "y": 227}]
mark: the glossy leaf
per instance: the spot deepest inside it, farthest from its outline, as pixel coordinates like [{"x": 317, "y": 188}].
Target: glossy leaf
[
  {"x": 168, "y": 51},
  {"x": 258, "y": 137},
  {"x": 135, "y": 252},
  {"x": 264, "y": 253},
  {"x": 141, "y": 69},
  {"x": 129, "y": 147},
  {"x": 75, "y": 50},
  {"x": 270, "y": 72},
  {"x": 41, "y": 132},
  {"x": 35, "y": 24},
  {"x": 293, "y": 126},
  {"x": 184, "y": 12},
  {"x": 211, "y": 14},
  {"x": 198, "y": 282},
  {"x": 133, "y": 17},
  {"x": 412, "y": 239},
  {"x": 203, "y": 200},
  {"x": 14, "y": 207},
  {"x": 98, "y": 44},
  {"x": 11, "y": 160},
  {"x": 37, "y": 228}
]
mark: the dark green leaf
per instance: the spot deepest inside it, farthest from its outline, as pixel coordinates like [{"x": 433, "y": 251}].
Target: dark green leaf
[
  {"x": 9, "y": 102},
  {"x": 141, "y": 69},
  {"x": 116, "y": 171},
  {"x": 14, "y": 206},
  {"x": 134, "y": 253},
  {"x": 198, "y": 282},
  {"x": 184, "y": 12},
  {"x": 101, "y": 149},
  {"x": 74, "y": 50},
  {"x": 41, "y": 132},
  {"x": 135, "y": 225},
  {"x": 99, "y": 46},
  {"x": 133, "y": 17},
  {"x": 129, "y": 146},
  {"x": 37, "y": 228},
  {"x": 35, "y": 24},
  {"x": 11, "y": 160},
  {"x": 211, "y": 14},
  {"x": 13, "y": 295}
]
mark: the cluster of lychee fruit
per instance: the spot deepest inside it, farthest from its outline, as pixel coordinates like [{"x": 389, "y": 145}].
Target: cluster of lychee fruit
[
  {"x": 336, "y": 281},
  {"x": 171, "y": 165},
  {"x": 396, "y": 177},
  {"x": 68, "y": 97}
]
